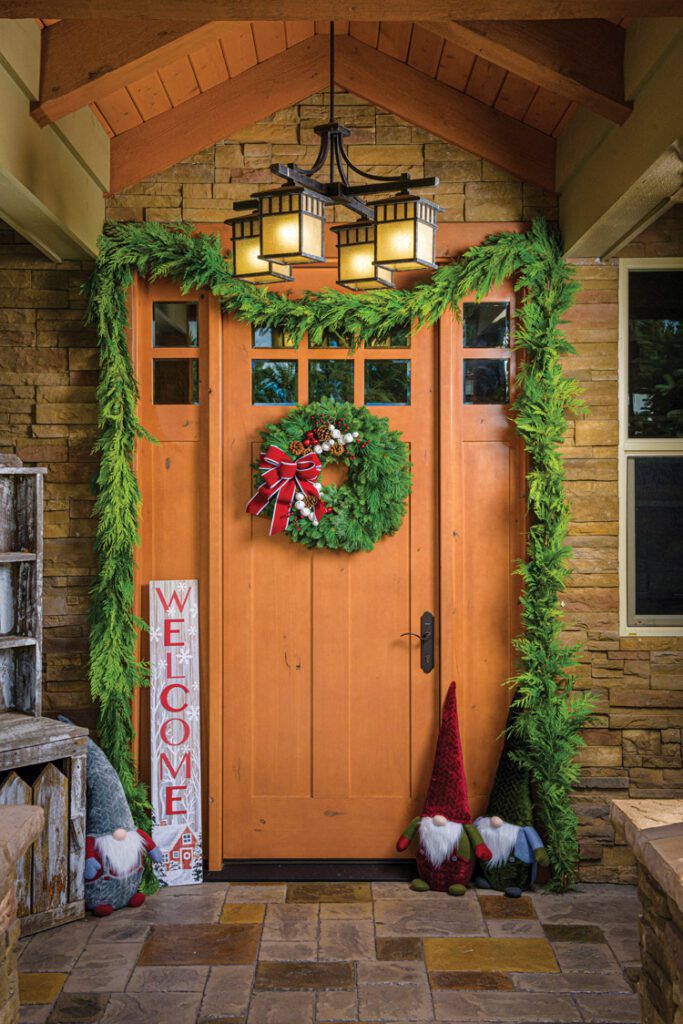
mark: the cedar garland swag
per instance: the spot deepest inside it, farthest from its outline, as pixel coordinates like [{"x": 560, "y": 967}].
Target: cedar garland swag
[{"x": 548, "y": 714}]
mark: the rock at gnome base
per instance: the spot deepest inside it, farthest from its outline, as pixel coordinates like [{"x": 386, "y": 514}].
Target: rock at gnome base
[
  {"x": 114, "y": 848},
  {"x": 449, "y": 842},
  {"x": 507, "y": 829}
]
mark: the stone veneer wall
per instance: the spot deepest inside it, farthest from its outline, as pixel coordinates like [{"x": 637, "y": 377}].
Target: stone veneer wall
[
  {"x": 634, "y": 744},
  {"x": 48, "y": 415},
  {"x": 660, "y": 985}
]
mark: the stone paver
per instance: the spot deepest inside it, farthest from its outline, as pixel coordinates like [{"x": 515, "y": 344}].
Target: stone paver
[{"x": 332, "y": 952}]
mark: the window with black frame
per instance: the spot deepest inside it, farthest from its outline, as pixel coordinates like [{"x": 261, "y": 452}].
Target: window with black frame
[{"x": 653, "y": 446}]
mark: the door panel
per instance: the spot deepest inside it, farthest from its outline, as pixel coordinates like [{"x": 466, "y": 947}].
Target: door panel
[{"x": 331, "y": 723}]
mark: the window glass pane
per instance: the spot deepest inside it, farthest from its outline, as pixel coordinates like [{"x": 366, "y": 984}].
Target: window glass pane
[
  {"x": 486, "y": 324},
  {"x": 331, "y": 340},
  {"x": 274, "y": 381},
  {"x": 387, "y": 382},
  {"x": 174, "y": 324},
  {"x": 330, "y": 378},
  {"x": 655, "y": 353},
  {"x": 398, "y": 338},
  {"x": 270, "y": 337},
  {"x": 658, "y": 515},
  {"x": 176, "y": 381},
  {"x": 486, "y": 382}
]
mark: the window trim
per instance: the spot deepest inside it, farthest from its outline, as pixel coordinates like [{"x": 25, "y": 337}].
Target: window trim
[{"x": 636, "y": 446}]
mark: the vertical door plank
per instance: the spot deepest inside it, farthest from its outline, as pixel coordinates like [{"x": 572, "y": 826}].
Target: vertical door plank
[
  {"x": 76, "y": 827},
  {"x": 15, "y": 791},
  {"x": 50, "y": 856}
]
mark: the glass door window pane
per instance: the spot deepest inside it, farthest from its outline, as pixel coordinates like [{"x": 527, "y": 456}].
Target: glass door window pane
[
  {"x": 270, "y": 337},
  {"x": 387, "y": 382},
  {"x": 274, "y": 381},
  {"x": 486, "y": 381},
  {"x": 174, "y": 324},
  {"x": 486, "y": 324},
  {"x": 176, "y": 381},
  {"x": 655, "y": 353},
  {"x": 398, "y": 338},
  {"x": 330, "y": 378}
]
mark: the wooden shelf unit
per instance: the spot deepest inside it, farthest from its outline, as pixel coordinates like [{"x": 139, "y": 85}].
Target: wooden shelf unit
[{"x": 42, "y": 761}]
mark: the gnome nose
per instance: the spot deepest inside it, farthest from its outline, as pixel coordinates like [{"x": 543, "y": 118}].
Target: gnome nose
[
  {"x": 120, "y": 834},
  {"x": 439, "y": 819},
  {"x": 496, "y": 822}
]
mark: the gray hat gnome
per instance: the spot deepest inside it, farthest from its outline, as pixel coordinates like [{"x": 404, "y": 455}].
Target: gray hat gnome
[{"x": 114, "y": 848}]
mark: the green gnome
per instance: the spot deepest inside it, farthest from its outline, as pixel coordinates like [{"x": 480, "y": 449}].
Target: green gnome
[{"x": 507, "y": 830}]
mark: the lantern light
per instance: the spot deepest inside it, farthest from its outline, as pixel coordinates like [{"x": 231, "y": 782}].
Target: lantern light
[
  {"x": 246, "y": 257},
  {"x": 405, "y": 232},
  {"x": 357, "y": 268},
  {"x": 292, "y": 224}
]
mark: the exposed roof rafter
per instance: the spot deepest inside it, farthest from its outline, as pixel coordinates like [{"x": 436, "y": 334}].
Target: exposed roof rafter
[{"x": 581, "y": 60}]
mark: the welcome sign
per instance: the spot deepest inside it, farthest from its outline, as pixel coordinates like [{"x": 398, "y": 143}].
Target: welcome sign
[{"x": 175, "y": 739}]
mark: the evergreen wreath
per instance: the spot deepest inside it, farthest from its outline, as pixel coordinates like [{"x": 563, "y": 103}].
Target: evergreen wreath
[
  {"x": 547, "y": 713},
  {"x": 372, "y": 501}
]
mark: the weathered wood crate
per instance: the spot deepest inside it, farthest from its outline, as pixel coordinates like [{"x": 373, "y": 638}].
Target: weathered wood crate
[{"x": 41, "y": 761}]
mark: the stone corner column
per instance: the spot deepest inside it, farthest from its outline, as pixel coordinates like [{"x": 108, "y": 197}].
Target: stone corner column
[{"x": 19, "y": 828}]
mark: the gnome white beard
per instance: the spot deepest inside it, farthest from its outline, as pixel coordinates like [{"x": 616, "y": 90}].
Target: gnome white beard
[
  {"x": 500, "y": 841},
  {"x": 439, "y": 841},
  {"x": 120, "y": 856}
]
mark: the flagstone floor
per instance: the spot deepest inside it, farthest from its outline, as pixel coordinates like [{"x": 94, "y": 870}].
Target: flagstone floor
[{"x": 333, "y": 952}]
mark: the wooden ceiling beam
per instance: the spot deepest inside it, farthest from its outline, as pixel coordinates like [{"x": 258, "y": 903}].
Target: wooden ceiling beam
[
  {"x": 447, "y": 113},
  {"x": 354, "y": 10},
  {"x": 81, "y": 62},
  {"x": 218, "y": 113},
  {"x": 580, "y": 59}
]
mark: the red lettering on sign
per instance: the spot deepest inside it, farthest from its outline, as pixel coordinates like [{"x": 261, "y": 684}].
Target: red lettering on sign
[
  {"x": 169, "y": 667},
  {"x": 183, "y": 764},
  {"x": 173, "y": 599},
  {"x": 171, "y": 798},
  {"x": 165, "y": 700},
  {"x": 169, "y": 631},
  {"x": 163, "y": 732}
]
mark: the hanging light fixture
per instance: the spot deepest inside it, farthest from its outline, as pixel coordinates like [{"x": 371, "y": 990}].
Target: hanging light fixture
[
  {"x": 399, "y": 231},
  {"x": 246, "y": 256},
  {"x": 357, "y": 267}
]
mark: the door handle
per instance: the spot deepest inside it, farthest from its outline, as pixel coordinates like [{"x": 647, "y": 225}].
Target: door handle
[{"x": 426, "y": 638}]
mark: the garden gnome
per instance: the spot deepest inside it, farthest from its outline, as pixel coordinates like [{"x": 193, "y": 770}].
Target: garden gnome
[
  {"x": 114, "y": 848},
  {"x": 448, "y": 840},
  {"x": 515, "y": 845}
]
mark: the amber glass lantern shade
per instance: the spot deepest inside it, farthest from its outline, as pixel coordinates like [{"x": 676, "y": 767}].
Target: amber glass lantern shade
[
  {"x": 356, "y": 258},
  {"x": 246, "y": 254},
  {"x": 292, "y": 225},
  {"x": 405, "y": 233}
]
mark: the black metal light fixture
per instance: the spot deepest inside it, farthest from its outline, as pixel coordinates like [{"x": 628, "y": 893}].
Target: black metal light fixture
[{"x": 291, "y": 220}]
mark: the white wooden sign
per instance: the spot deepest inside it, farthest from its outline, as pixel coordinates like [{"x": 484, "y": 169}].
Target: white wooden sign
[{"x": 174, "y": 715}]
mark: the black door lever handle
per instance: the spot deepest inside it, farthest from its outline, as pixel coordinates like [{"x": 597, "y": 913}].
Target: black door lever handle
[{"x": 426, "y": 638}]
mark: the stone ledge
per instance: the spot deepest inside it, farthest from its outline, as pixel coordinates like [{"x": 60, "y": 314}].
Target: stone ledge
[{"x": 654, "y": 831}]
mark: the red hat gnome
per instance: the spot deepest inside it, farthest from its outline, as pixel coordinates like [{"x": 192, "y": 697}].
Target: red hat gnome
[{"x": 449, "y": 842}]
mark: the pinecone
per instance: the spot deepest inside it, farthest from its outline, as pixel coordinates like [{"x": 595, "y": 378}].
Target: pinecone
[
  {"x": 296, "y": 448},
  {"x": 323, "y": 433},
  {"x": 336, "y": 448},
  {"x": 310, "y": 501}
]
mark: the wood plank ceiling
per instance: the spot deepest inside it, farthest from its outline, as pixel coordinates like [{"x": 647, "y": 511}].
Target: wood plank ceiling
[{"x": 132, "y": 87}]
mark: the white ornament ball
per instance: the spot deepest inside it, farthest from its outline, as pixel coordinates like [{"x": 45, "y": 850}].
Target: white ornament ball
[
  {"x": 325, "y": 446},
  {"x": 299, "y": 505},
  {"x": 356, "y": 434},
  {"x": 318, "y": 487},
  {"x": 336, "y": 433},
  {"x": 348, "y": 438},
  {"x": 299, "y": 496},
  {"x": 318, "y": 449}
]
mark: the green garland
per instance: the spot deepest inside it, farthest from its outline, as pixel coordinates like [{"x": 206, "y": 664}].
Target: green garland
[
  {"x": 372, "y": 501},
  {"x": 545, "y": 733}
]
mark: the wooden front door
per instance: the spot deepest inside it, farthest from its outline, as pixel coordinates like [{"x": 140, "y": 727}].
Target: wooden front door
[{"x": 329, "y": 721}]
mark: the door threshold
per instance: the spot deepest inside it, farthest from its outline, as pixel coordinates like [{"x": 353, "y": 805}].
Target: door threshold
[{"x": 313, "y": 871}]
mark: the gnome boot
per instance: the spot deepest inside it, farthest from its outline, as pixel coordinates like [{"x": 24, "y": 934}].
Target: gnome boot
[
  {"x": 419, "y": 885},
  {"x": 481, "y": 882},
  {"x": 137, "y": 899},
  {"x": 513, "y": 891},
  {"x": 457, "y": 890},
  {"x": 103, "y": 910}
]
